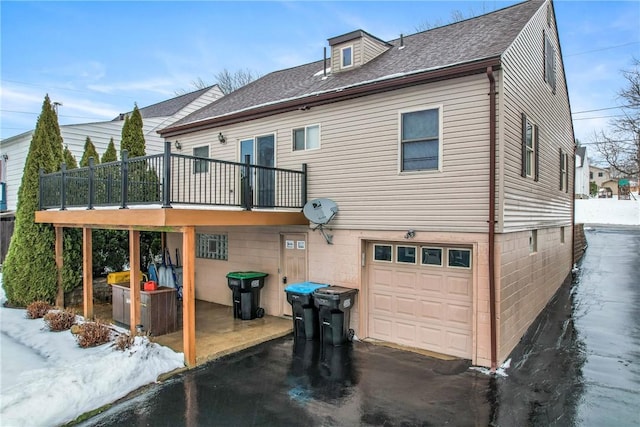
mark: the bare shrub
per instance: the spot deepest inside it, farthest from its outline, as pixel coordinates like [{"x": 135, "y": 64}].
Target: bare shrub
[
  {"x": 60, "y": 320},
  {"x": 92, "y": 334},
  {"x": 37, "y": 309},
  {"x": 124, "y": 341}
]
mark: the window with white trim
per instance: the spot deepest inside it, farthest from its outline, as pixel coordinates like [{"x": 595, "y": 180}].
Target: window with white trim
[
  {"x": 406, "y": 254},
  {"x": 564, "y": 171},
  {"x": 459, "y": 258},
  {"x": 201, "y": 166},
  {"x": 549, "y": 62},
  {"x": 530, "y": 149},
  {"x": 346, "y": 57},
  {"x": 306, "y": 138},
  {"x": 420, "y": 142},
  {"x": 431, "y": 256},
  {"x": 212, "y": 246},
  {"x": 382, "y": 253}
]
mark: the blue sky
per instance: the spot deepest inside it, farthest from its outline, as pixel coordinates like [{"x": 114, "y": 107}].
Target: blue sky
[{"x": 98, "y": 58}]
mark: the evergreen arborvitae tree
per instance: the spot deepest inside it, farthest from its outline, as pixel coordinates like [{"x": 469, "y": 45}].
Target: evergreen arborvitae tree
[
  {"x": 133, "y": 135},
  {"x": 29, "y": 271},
  {"x": 110, "y": 155},
  {"x": 89, "y": 151},
  {"x": 69, "y": 159}
]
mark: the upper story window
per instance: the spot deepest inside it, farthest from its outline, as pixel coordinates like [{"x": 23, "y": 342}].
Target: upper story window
[
  {"x": 530, "y": 149},
  {"x": 306, "y": 138},
  {"x": 549, "y": 63},
  {"x": 201, "y": 166},
  {"x": 590, "y": 175},
  {"x": 346, "y": 57},
  {"x": 600, "y": 174},
  {"x": 564, "y": 171},
  {"x": 420, "y": 142}
]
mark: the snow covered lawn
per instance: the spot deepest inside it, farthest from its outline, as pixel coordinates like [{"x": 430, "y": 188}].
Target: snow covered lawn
[
  {"x": 47, "y": 379},
  {"x": 608, "y": 211}
]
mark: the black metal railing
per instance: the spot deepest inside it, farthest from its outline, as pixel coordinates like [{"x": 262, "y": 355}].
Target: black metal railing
[{"x": 169, "y": 179}]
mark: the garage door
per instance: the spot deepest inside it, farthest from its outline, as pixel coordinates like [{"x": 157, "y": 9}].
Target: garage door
[{"x": 421, "y": 296}]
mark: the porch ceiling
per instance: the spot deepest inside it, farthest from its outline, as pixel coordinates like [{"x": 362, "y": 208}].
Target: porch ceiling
[{"x": 153, "y": 218}]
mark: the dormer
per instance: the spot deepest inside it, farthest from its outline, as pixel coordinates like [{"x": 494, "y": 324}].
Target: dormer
[{"x": 354, "y": 49}]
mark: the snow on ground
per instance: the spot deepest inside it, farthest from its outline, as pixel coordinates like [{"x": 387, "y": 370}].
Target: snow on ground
[
  {"x": 47, "y": 379},
  {"x": 608, "y": 211}
]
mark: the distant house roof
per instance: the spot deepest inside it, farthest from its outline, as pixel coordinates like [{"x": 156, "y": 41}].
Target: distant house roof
[
  {"x": 581, "y": 152},
  {"x": 423, "y": 56},
  {"x": 170, "y": 106}
]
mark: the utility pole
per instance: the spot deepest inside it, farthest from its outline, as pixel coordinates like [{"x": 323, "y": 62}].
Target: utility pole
[{"x": 56, "y": 105}]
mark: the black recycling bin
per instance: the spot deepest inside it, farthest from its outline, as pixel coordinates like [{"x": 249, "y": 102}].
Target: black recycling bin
[
  {"x": 245, "y": 287},
  {"x": 334, "y": 311},
  {"x": 305, "y": 314}
]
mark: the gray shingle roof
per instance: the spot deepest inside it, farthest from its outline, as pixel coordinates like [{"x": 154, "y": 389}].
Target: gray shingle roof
[
  {"x": 582, "y": 152},
  {"x": 170, "y": 106},
  {"x": 474, "y": 39}
]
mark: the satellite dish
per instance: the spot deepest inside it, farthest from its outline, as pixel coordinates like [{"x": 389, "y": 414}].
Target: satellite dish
[{"x": 321, "y": 211}]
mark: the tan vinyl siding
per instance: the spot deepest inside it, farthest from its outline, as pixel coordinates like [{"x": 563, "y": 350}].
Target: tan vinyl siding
[
  {"x": 336, "y": 55},
  {"x": 529, "y": 204},
  {"x": 371, "y": 49},
  {"x": 527, "y": 281},
  {"x": 357, "y": 164}
]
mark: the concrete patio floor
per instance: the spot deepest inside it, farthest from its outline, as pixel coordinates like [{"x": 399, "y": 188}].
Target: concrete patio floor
[{"x": 217, "y": 332}]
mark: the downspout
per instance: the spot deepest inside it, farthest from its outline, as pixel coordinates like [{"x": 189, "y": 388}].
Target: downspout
[{"x": 492, "y": 216}]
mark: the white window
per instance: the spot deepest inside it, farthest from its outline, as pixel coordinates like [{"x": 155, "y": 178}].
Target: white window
[
  {"x": 199, "y": 165},
  {"x": 459, "y": 258},
  {"x": 383, "y": 253},
  {"x": 432, "y": 256},
  {"x": 533, "y": 241},
  {"x": 420, "y": 142},
  {"x": 529, "y": 149},
  {"x": 306, "y": 138},
  {"x": 212, "y": 246},
  {"x": 406, "y": 254},
  {"x": 549, "y": 63},
  {"x": 346, "y": 56},
  {"x": 564, "y": 172}
]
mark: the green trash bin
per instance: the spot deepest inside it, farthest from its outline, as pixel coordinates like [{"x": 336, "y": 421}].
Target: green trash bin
[{"x": 245, "y": 292}]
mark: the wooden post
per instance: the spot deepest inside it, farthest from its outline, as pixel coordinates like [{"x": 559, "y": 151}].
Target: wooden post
[
  {"x": 188, "y": 295},
  {"x": 134, "y": 279},
  {"x": 87, "y": 272},
  {"x": 59, "y": 265}
]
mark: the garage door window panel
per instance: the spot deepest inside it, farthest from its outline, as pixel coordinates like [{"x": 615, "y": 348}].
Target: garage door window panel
[
  {"x": 383, "y": 253},
  {"x": 406, "y": 254},
  {"x": 432, "y": 256},
  {"x": 459, "y": 258}
]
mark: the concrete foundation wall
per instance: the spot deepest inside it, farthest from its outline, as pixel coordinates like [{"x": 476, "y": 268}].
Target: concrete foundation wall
[{"x": 527, "y": 280}]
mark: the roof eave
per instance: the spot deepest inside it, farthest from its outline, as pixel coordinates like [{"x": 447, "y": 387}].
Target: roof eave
[{"x": 343, "y": 94}]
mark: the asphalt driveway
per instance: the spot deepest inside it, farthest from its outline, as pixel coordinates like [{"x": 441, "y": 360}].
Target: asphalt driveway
[{"x": 577, "y": 366}]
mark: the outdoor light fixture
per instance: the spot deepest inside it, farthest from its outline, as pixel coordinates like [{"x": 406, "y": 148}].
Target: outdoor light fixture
[
  {"x": 177, "y": 145},
  {"x": 410, "y": 234},
  {"x": 221, "y": 138}
]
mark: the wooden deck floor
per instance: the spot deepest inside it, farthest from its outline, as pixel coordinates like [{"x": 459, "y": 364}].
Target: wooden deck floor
[{"x": 217, "y": 332}]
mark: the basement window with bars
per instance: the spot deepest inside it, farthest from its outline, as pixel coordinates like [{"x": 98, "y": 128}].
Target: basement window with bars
[{"x": 212, "y": 246}]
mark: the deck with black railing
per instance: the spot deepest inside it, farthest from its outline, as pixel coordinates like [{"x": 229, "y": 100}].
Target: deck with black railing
[{"x": 170, "y": 179}]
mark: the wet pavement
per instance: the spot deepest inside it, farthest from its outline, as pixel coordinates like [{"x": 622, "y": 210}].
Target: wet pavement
[{"x": 579, "y": 365}]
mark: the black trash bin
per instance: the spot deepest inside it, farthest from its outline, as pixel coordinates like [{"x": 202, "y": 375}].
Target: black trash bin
[
  {"x": 245, "y": 287},
  {"x": 305, "y": 313},
  {"x": 334, "y": 305}
]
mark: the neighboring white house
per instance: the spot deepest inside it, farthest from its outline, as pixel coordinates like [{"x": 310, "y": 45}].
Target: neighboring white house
[
  {"x": 582, "y": 174},
  {"x": 14, "y": 150}
]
